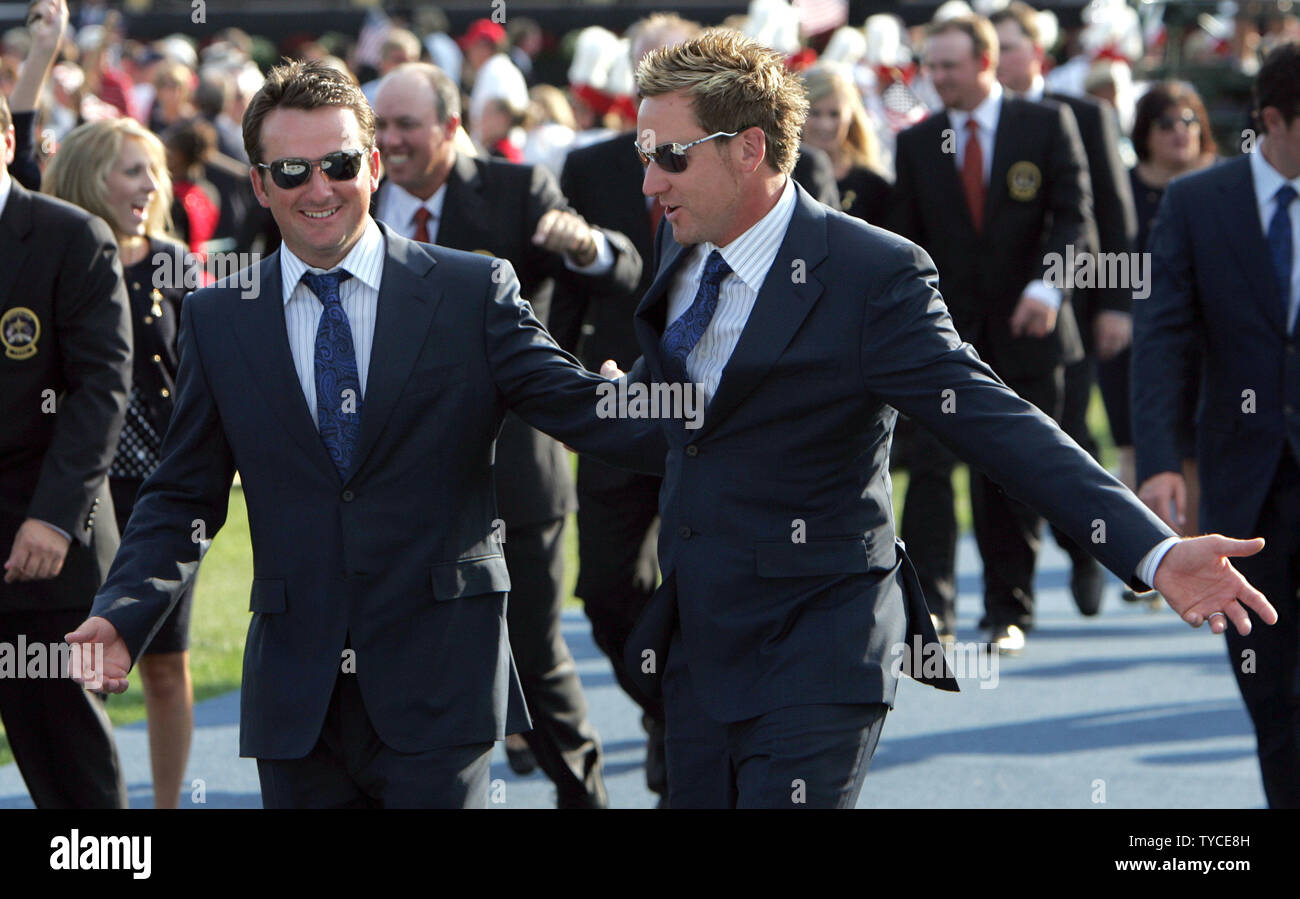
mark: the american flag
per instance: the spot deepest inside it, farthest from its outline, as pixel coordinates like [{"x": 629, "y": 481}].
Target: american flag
[
  {"x": 374, "y": 31},
  {"x": 819, "y": 16}
]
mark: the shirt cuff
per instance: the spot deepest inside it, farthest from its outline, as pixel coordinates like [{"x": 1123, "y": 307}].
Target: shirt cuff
[
  {"x": 1044, "y": 293},
  {"x": 55, "y": 528},
  {"x": 603, "y": 262},
  {"x": 1146, "y": 570}
]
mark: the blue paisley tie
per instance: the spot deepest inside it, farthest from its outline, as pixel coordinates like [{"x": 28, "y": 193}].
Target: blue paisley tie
[
  {"x": 684, "y": 333},
  {"x": 338, "y": 388}
]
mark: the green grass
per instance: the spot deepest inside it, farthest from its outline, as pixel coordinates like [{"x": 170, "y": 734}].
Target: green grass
[{"x": 220, "y": 620}]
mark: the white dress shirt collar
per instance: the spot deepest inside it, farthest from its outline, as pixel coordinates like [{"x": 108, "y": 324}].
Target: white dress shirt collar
[
  {"x": 986, "y": 114},
  {"x": 398, "y": 206},
  {"x": 752, "y": 253},
  {"x": 5, "y": 184},
  {"x": 1268, "y": 181},
  {"x": 363, "y": 262}
]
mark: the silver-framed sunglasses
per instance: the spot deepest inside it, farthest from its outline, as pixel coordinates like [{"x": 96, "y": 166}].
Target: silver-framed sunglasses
[{"x": 671, "y": 157}]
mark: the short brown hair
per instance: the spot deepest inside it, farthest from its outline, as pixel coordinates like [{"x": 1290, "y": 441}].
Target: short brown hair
[
  {"x": 1023, "y": 15},
  {"x": 5, "y": 118},
  {"x": 1159, "y": 99},
  {"x": 305, "y": 84},
  {"x": 733, "y": 83},
  {"x": 984, "y": 37}
]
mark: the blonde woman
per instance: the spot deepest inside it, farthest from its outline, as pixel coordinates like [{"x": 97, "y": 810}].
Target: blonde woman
[
  {"x": 117, "y": 170},
  {"x": 837, "y": 123}
]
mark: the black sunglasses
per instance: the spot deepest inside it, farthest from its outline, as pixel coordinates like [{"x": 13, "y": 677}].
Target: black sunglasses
[
  {"x": 672, "y": 157},
  {"x": 1167, "y": 122},
  {"x": 293, "y": 171}
]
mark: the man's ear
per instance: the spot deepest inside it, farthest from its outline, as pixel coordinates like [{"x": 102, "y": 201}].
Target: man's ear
[
  {"x": 750, "y": 147},
  {"x": 259, "y": 187},
  {"x": 10, "y": 144},
  {"x": 450, "y": 126},
  {"x": 373, "y": 161}
]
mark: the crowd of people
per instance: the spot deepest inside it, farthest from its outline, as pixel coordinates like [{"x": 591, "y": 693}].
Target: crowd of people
[{"x": 992, "y": 143}]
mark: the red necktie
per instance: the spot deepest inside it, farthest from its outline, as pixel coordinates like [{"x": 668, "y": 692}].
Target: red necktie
[
  {"x": 422, "y": 217},
  {"x": 972, "y": 174}
]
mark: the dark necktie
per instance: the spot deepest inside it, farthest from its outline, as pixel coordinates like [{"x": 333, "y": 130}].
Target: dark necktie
[
  {"x": 1280, "y": 246},
  {"x": 685, "y": 332},
  {"x": 972, "y": 174},
  {"x": 421, "y": 220},
  {"x": 338, "y": 387}
]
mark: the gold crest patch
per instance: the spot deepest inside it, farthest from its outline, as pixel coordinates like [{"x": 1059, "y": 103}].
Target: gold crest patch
[
  {"x": 19, "y": 330},
  {"x": 1023, "y": 180}
]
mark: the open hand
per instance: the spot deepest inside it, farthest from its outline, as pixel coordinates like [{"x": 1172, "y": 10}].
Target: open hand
[
  {"x": 1199, "y": 583},
  {"x": 111, "y": 678}
]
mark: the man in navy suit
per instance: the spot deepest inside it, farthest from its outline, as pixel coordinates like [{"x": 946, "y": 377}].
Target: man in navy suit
[
  {"x": 775, "y": 636},
  {"x": 359, "y": 394},
  {"x": 1225, "y": 253}
]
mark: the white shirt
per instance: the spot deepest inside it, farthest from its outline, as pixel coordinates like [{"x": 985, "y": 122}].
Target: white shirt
[
  {"x": 4, "y": 188},
  {"x": 987, "y": 115},
  {"x": 750, "y": 256},
  {"x": 397, "y": 207},
  {"x": 1268, "y": 181},
  {"x": 359, "y": 296}
]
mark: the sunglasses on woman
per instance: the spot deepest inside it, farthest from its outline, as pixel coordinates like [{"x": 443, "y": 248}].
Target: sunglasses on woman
[
  {"x": 294, "y": 171},
  {"x": 672, "y": 157},
  {"x": 1167, "y": 122}
]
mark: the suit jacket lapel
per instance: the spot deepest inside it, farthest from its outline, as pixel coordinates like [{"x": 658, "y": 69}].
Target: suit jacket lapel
[
  {"x": 407, "y": 302},
  {"x": 1238, "y": 218},
  {"x": 463, "y": 221},
  {"x": 651, "y": 315},
  {"x": 264, "y": 340},
  {"x": 1003, "y": 150},
  {"x": 945, "y": 167},
  {"x": 16, "y": 223},
  {"x": 782, "y": 304}
]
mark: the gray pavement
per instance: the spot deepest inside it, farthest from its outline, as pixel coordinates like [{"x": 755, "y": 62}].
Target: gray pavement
[{"x": 1128, "y": 710}]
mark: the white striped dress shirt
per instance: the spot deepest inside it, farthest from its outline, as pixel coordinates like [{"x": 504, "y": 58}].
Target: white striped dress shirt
[
  {"x": 359, "y": 296},
  {"x": 750, "y": 256}
]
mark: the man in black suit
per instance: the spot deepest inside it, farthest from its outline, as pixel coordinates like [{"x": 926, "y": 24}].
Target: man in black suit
[
  {"x": 359, "y": 394},
  {"x": 66, "y": 371},
  {"x": 1104, "y": 312},
  {"x": 787, "y": 606},
  {"x": 1225, "y": 253},
  {"x": 514, "y": 213},
  {"x": 990, "y": 188},
  {"x": 618, "y": 510}
]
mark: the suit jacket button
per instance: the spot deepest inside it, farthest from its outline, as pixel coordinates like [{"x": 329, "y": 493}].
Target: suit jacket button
[
  {"x": 165, "y": 393},
  {"x": 157, "y": 358},
  {"x": 684, "y": 532},
  {"x": 692, "y": 450},
  {"x": 348, "y": 496}
]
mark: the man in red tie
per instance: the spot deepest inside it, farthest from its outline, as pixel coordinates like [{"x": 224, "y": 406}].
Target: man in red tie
[{"x": 1020, "y": 169}]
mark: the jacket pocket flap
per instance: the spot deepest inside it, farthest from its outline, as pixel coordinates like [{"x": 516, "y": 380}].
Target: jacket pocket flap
[
  {"x": 267, "y": 596},
  {"x": 782, "y": 558},
  {"x": 470, "y": 577}
]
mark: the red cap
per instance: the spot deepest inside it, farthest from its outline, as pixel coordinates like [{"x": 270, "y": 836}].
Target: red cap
[{"x": 483, "y": 29}]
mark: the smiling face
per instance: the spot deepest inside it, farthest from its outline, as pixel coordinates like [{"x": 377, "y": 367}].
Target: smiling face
[
  {"x": 130, "y": 188},
  {"x": 321, "y": 220},
  {"x": 418, "y": 150},
  {"x": 704, "y": 202},
  {"x": 827, "y": 126}
]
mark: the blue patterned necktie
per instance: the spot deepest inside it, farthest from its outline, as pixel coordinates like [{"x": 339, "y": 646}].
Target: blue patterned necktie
[
  {"x": 685, "y": 332},
  {"x": 338, "y": 387},
  {"x": 1280, "y": 246}
]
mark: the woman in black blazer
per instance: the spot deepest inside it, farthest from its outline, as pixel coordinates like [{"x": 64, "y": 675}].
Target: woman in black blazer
[
  {"x": 838, "y": 124},
  {"x": 118, "y": 171}
]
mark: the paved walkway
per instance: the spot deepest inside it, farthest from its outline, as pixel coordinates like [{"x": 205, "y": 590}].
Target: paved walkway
[{"x": 1133, "y": 709}]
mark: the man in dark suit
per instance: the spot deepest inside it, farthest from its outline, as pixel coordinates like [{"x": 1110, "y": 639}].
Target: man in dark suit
[
  {"x": 778, "y": 633},
  {"x": 359, "y": 395},
  {"x": 990, "y": 188},
  {"x": 618, "y": 510},
  {"x": 514, "y": 213},
  {"x": 66, "y": 372},
  {"x": 1225, "y": 253},
  {"x": 1104, "y": 312}
]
